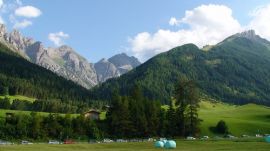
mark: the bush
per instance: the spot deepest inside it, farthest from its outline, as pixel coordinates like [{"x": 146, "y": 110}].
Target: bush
[
  {"x": 221, "y": 127},
  {"x": 5, "y": 103}
]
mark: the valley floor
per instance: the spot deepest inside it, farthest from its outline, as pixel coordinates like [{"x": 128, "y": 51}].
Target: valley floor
[{"x": 146, "y": 146}]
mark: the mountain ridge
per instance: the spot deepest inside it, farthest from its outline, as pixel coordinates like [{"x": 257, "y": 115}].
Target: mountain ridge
[
  {"x": 235, "y": 70},
  {"x": 18, "y": 76},
  {"x": 63, "y": 60}
]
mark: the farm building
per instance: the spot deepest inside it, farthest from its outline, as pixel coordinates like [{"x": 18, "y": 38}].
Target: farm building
[
  {"x": 92, "y": 114},
  {"x": 9, "y": 115}
]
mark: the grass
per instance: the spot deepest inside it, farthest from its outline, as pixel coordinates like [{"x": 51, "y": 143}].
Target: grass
[
  {"x": 3, "y": 113},
  {"x": 248, "y": 119},
  {"x": 18, "y": 97},
  {"x": 146, "y": 146},
  {"x": 102, "y": 115}
]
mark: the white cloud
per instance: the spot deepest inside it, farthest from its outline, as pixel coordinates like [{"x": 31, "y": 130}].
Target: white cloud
[
  {"x": 173, "y": 21},
  {"x": 28, "y": 11},
  {"x": 1, "y": 3},
  {"x": 23, "y": 24},
  {"x": 261, "y": 21},
  {"x": 19, "y": 2},
  {"x": 58, "y": 38},
  {"x": 208, "y": 24},
  {"x": 15, "y": 8},
  {"x": 19, "y": 24},
  {"x": 1, "y": 7}
]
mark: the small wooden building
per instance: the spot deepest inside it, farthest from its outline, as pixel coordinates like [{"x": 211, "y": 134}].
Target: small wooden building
[
  {"x": 9, "y": 115},
  {"x": 92, "y": 114}
]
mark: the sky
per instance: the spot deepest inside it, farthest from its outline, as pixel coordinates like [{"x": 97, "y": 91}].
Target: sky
[{"x": 143, "y": 28}]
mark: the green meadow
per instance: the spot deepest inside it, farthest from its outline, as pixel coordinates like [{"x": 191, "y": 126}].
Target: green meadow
[
  {"x": 147, "y": 146},
  {"x": 3, "y": 113},
  {"x": 247, "y": 119},
  {"x": 18, "y": 97}
]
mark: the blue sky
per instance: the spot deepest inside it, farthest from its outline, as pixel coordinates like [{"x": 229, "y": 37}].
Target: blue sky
[{"x": 101, "y": 28}]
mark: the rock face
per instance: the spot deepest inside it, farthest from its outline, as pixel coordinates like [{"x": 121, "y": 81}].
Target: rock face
[
  {"x": 115, "y": 66},
  {"x": 106, "y": 70},
  {"x": 249, "y": 34},
  {"x": 124, "y": 63},
  {"x": 65, "y": 61},
  {"x": 15, "y": 40}
]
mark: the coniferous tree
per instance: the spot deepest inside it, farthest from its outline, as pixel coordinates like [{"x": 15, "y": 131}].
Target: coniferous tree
[
  {"x": 5, "y": 103},
  {"x": 187, "y": 99},
  {"x": 171, "y": 125},
  {"x": 163, "y": 122},
  {"x": 152, "y": 111},
  {"x": 138, "y": 112},
  {"x": 36, "y": 126},
  {"x": 118, "y": 116},
  {"x": 192, "y": 117}
]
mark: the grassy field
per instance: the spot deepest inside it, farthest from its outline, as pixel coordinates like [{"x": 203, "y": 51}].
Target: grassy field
[
  {"x": 3, "y": 113},
  {"x": 18, "y": 97},
  {"x": 146, "y": 146},
  {"x": 248, "y": 119}
]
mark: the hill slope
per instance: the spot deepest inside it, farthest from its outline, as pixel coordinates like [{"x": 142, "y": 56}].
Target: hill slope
[
  {"x": 236, "y": 70},
  {"x": 20, "y": 77},
  {"x": 247, "y": 119}
]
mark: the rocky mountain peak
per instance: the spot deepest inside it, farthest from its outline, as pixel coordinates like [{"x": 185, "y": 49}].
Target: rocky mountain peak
[
  {"x": 115, "y": 66},
  {"x": 18, "y": 41},
  {"x": 122, "y": 55},
  {"x": 65, "y": 61},
  {"x": 106, "y": 70},
  {"x": 123, "y": 59},
  {"x": 103, "y": 60},
  {"x": 65, "y": 48},
  {"x": 3, "y": 30},
  {"x": 249, "y": 34}
]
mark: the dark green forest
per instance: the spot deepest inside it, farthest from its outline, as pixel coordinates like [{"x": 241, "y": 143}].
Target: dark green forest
[
  {"x": 51, "y": 106},
  {"x": 235, "y": 71},
  {"x": 128, "y": 117},
  {"x": 21, "y": 77}
]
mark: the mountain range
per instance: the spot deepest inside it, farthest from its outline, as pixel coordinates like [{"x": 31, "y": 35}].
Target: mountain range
[
  {"x": 65, "y": 62},
  {"x": 19, "y": 76},
  {"x": 235, "y": 70}
]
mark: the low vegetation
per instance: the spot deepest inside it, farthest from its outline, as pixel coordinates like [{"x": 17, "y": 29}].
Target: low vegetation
[
  {"x": 18, "y": 97},
  {"x": 51, "y": 105},
  {"x": 247, "y": 119},
  {"x": 147, "y": 146}
]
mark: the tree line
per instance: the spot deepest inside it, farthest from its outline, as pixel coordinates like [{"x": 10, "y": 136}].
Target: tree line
[
  {"x": 132, "y": 116},
  {"x": 51, "y": 106},
  {"x": 53, "y": 126},
  {"x": 137, "y": 116}
]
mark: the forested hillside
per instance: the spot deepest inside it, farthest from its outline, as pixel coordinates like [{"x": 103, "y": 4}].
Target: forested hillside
[
  {"x": 19, "y": 76},
  {"x": 236, "y": 70}
]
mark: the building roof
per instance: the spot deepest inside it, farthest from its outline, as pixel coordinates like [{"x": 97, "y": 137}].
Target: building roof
[{"x": 92, "y": 111}]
